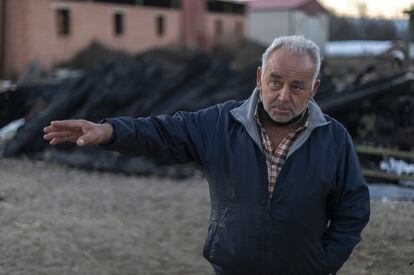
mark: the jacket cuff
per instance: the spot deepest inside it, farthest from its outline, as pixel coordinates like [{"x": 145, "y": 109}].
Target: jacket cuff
[{"x": 113, "y": 136}]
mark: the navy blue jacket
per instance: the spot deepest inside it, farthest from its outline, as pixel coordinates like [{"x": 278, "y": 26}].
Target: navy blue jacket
[{"x": 320, "y": 203}]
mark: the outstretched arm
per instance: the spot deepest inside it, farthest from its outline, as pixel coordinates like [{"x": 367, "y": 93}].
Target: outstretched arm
[{"x": 181, "y": 138}]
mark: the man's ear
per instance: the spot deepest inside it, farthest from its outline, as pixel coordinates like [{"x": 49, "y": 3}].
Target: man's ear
[
  {"x": 315, "y": 87},
  {"x": 258, "y": 77}
]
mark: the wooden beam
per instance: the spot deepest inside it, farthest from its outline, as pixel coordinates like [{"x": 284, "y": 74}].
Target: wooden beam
[
  {"x": 378, "y": 151},
  {"x": 386, "y": 176}
]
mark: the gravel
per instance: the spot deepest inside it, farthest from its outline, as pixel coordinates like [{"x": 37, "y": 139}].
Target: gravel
[{"x": 60, "y": 220}]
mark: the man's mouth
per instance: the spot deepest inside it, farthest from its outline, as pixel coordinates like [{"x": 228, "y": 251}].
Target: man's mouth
[{"x": 282, "y": 109}]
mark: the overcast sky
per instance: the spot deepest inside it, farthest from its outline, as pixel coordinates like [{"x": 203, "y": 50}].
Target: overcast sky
[
  {"x": 385, "y": 8},
  {"x": 374, "y": 8}
]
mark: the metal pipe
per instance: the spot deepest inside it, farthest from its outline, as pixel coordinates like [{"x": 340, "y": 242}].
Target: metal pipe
[{"x": 410, "y": 33}]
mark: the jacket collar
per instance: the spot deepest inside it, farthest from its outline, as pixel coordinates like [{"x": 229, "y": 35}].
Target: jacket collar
[{"x": 245, "y": 115}]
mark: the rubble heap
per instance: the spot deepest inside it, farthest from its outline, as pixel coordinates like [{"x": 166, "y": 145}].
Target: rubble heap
[
  {"x": 379, "y": 111},
  {"x": 137, "y": 87}
]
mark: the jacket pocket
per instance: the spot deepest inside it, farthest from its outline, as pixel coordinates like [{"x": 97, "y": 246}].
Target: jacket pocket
[
  {"x": 207, "y": 249},
  {"x": 215, "y": 247}
]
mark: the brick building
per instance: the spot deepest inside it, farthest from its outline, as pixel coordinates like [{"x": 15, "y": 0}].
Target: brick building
[{"x": 50, "y": 31}]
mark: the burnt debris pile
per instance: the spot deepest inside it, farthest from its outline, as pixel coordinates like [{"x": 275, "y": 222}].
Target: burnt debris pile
[
  {"x": 135, "y": 87},
  {"x": 379, "y": 113}
]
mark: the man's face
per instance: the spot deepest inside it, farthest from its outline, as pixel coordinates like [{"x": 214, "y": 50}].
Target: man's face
[{"x": 287, "y": 84}]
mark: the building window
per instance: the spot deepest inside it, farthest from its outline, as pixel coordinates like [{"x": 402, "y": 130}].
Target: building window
[
  {"x": 218, "y": 28},
  {"x": 118, "y": 23},
  {"x": 173, "y": 4},
  {"x": 226, "y": 7},
  {"x": 160, "y": 25},
  {"x": 63, "y": 22}
]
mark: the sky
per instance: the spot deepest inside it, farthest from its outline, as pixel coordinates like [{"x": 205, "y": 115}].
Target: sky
[{"x": 374, "y": 8}]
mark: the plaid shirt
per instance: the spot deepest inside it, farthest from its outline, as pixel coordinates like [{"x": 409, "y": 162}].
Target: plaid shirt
[{"x": 276, "y": 157}]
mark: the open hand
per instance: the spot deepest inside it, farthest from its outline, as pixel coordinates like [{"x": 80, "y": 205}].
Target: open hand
[{"x": 79, "y": 131}]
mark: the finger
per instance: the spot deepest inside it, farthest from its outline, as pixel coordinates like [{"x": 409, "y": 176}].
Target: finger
[
  {"x": 68, "y": 124},
  {"x": 80, "y": 142},
  {"x": 87, "y": 139},
  {"x": 59, "y": 134},
  {"x": 61, "y": 140},
  {"x": 49, "y": 129}
]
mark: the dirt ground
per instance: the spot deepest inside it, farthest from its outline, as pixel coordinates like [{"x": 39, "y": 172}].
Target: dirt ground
[{"x": 58, "y": 220}]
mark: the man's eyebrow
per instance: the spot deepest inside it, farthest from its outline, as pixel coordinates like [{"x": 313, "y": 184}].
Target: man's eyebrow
[
  {"x": 300, "y": 82},
  {"x": 273, "y": 75}
]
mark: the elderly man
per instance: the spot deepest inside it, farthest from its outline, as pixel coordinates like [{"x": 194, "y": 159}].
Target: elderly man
[{"x": 287, "y": 194}]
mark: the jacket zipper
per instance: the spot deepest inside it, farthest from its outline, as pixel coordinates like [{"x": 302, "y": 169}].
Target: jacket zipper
[{"x": 269, "y": 222}]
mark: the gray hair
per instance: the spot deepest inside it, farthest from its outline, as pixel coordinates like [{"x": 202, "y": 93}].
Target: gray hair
[{"x": 297, "y": 44}]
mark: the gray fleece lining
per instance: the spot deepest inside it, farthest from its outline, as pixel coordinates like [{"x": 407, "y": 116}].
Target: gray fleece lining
[{"x": 245, "y": 115}]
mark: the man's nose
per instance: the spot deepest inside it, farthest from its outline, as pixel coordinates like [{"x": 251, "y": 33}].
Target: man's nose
[{"x": 284, "y": 94}]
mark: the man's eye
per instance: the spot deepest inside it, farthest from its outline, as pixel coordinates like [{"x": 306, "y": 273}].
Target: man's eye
[
  {"x": 274, "y": 83},
  {"x": 297, "y": 88}
]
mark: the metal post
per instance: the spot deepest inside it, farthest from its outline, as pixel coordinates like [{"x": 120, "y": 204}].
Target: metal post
[{"x": 410, "y": 33}]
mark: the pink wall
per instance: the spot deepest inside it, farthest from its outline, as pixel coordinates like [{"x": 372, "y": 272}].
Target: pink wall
[
  {"x": 1, "y": 35},
  {"x": 229, "y": 22},
  {"x": 15, "y": 37},
  {"x": 34, "y": 23},
  {"x": 31, "y": 30},
  {"x": 194, "y": 23}
]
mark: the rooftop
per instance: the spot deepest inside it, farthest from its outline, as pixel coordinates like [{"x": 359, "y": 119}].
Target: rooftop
[
  {"x": 309, "y": 6},
  {"x": 354, "y": 48}
]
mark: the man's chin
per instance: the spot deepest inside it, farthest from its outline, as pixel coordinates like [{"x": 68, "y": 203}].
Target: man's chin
[
  {"x": 280, "y": 119},
  {"x": 279, "y": 115}
]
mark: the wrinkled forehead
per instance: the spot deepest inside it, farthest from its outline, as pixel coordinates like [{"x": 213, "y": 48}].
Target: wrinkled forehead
[{"x": 283, "y": 61}]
